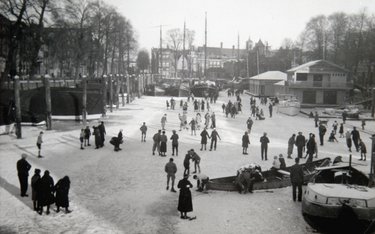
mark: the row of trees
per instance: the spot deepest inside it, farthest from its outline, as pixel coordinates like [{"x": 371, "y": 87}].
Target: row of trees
[
  {"x": 345, "y": 39},
  {"x": 74, "y": 35}
]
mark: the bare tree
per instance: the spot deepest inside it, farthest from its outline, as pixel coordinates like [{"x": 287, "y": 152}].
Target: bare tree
[{"x": 174, "y": 39}]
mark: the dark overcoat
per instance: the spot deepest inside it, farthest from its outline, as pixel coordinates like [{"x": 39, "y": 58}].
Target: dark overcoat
[
  {"x": 45, "y": 191},
  {"x": 62, "y": 192},
  {"x": 185, "y": 203}
]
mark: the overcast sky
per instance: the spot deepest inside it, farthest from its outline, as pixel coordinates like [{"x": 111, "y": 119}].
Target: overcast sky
[{"x": 268, "y": 20}]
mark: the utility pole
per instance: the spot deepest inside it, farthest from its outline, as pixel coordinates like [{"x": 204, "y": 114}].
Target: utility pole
[
  {"x": 84, "y": 100},
  {"x": 48, "y": 102},
  {"x": 183, "y": 51},
  {"x": 205, "y": 45},
  {"x": 17, "y": 105},
  {"x": 238, "y": 55}
]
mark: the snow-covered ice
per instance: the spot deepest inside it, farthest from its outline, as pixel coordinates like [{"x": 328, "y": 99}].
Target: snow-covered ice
[{"x": 124, "y": 192}]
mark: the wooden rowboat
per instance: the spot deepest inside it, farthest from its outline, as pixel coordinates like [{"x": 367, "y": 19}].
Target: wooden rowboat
[{"x": 272, "y": 179}]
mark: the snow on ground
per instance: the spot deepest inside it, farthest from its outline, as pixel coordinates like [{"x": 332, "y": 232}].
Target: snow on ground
[{"x": 124, "y": 192}]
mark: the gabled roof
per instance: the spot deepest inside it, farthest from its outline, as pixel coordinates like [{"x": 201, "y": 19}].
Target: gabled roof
[
  {"x": 317, "y": 63},
  {"x": 270, "y": 75}
]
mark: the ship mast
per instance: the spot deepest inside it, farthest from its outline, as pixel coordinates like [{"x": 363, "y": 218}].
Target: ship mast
[
  {"x": 205, "y": 45},
  {"x": 161, "y": 54}
]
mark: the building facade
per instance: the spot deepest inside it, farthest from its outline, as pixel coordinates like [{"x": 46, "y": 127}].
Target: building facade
[
  {"x": 263, "y": 84},
  {"x": 319, "y": 83}
]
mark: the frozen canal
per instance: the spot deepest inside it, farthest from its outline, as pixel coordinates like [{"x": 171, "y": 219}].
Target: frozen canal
[{"x": 124, "y": 192}]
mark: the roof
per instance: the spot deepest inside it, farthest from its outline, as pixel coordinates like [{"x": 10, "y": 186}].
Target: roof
[
  {"x": 317, "y": 63},
  {"x": 270, "y": 75},
  {"x": 280, "y": 83}
]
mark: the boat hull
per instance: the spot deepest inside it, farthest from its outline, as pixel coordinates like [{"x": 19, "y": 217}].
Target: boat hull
[
  {"x": 204, "y": 91},
  {"x": 273, "y": 179}
]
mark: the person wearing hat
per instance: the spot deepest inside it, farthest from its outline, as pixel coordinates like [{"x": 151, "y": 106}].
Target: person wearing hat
[
  {"x": 214, "y": 136},
  {"x": 39, "y": 142},
  {"x": 34, "y": 188},
  {"x": 322, "y": 132},
  {"x": 102, "y": 131},
  {"x": 296, "y": 177},
  {"x": 355, "y": 138},
  {"x": 204, "y": 136},
  {"x": 174, "y": 139},
  {"x": 291, "y": 142},
  {"x": 264, "y": 146},
  {"x": 171, "y": 169},
  {"x": 185, "y": 203},
  {"x": 300, "y": 143},
  {"x": 23, "y": 168}
]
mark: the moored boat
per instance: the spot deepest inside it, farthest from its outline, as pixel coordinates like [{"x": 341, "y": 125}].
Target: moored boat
[
  {"x": 336, "y": 193},
  {"x": 203, "y": 88},
  {"x": 272, "y": 179}
]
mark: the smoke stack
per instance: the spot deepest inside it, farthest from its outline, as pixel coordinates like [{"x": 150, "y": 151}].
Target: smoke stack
[{"x": 221, "y": 45}]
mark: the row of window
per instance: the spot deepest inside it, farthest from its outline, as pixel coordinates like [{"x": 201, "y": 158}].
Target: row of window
[{"x": 316, "y": 77}]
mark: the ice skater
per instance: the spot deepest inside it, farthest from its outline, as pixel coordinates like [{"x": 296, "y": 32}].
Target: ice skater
[
  {"x": 185, "y": 203},
  {"x": 174, "y": 139},
  {"x": 214, "y": 136},
  {"x": 245, "y": 143},
  {"x": 204, "y": 136},
  {"x": 170, "y": 168},
  {"x": 39, "y": 142},
  {"x": 264, "y": 146},
  {"x": 143, "y": 129}
]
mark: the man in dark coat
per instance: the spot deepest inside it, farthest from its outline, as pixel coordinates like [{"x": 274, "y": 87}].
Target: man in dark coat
[
  {"x": 264, "y": 145},
  {"x": 174, "y": 139},
  {"x": 204, "y": 136},
  {"x": 270, "y": 107},
  {"x": 34, "y": 188},
  {"x": 62, "y": 194},
  {"x": 322, "y": 132},
  {"x": 185, "y": 203},
  {"x": 187, "y": 164},
  {"x": 214, "y": 136},
  {"x": 87, "y": 136},
  {"x": 355, "y": 138},
  {"x": 23, "y": 168},
  {"x": 291, "y": 142},
  {"x": 245, "y": 143},
  {"x": 156, "y": 145},
  {"x": 98, "y": 139},
  {"x": 45, "y": 192},
  {"x": 296, "y": 177},
  {"x": 316, "y": 119},
  {"x": 300, "y": 143},
  {"x": 170, "y": 168},
  {"x": 249, "y": 124},
  {"x": 117, "y": 141},
  {"x": 102, "y": 133},
  {"x": 311, "y": 148}
]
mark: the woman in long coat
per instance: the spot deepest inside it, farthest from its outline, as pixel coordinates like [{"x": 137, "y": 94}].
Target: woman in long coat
[
  {"x": 245, "y": 143},
  {"x": 62, "y": 194},
  {"x": 185, "y": 203},
  {"x": 163, "y": 144},
  {"x": 204, "y": 136},
  {"x": 45, "y": 192}
]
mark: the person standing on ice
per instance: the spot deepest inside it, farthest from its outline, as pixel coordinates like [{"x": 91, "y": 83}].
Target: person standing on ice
[
  {"x": 34, "y": 188},
  {"x": 187, "y": 164},
  {"x": 213, "y": 120},
  {"x": 355, "y": 138},
  {"x": 264, "y": 146},
  {"x": 171, "y": 169},
  {"x": 39, "y": 142},
  {"x": 245, "y": 143},
  {"x": 322, "y": 132},
  {"x": 23, "y": 168},
  {"x": 163, "y": 121},
  {"x": 156, "y": 145},
  {"x": 98, "y": 139},
  {"x": 300, "y": 143},
  {"x": 87, "y": 136},
  {"x": 214, "y": 136},
  {"x": 193, "y": 124},
  {"x": 143, "y": 129},
  {"x": 185, "y": 203},
  {"x": 291, "y": 143},
  {"x": 45, "y": 192},
  {"x": 249, "y": 124},
  {"x": 163, "y": 144},
  {"x": 196, "y": 159},
  {"x": 62, "y": 194},
  {"x": 348, "y": 137},
  {"x": 102, "y": 131},
  {"x": 81, "y": 137},
  {"x": 204, "y": 136},
  {"x": 296, "y": 177},
  {"x": 174, "y": 139},
  {"x": 270, "y": 108}
]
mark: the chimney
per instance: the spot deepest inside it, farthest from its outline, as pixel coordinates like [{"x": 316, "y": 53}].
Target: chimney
[
  {"x": 233, "y": 49},
  {"x": 221, "y": 49},
  {"x": 221, "y": 45}
]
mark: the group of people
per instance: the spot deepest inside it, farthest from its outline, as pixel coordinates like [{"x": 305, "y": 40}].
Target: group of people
[{"x": 44, "y": 191}]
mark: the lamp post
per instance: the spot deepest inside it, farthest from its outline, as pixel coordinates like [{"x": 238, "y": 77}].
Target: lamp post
[
  {"x": 48, "y": 102},
  {"x": 18, "y": 106},
  {"x": 372, "y": 164}
]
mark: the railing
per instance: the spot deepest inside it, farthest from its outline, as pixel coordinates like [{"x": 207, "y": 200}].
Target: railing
[
  {"x": 307, "y": 84},
  {"x": 34, "y": 84}
]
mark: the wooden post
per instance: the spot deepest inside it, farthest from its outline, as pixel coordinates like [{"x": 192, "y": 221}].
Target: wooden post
[
  {"x": 84, "y": 100},
  {"x": 128, "y": 88},
  {"x": 122, "y": 90},
  {"x": 373, "y": 103},
  {"x": 110, "y": 81},
  {"x": 17, "y": 103},
  {"x": 117, "y": 91},
  {"x": 104, "y": 93},
  {"x": 372, "y": 164}
]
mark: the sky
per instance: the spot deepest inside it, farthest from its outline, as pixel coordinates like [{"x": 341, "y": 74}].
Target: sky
[{"x": 269, "y": 20}]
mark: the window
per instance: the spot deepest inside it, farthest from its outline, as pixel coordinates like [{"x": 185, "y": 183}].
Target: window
[{"x": 301, "y": 77}]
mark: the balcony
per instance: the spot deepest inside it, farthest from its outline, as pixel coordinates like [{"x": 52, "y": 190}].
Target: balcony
[{"x": 319, "y": 85}]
